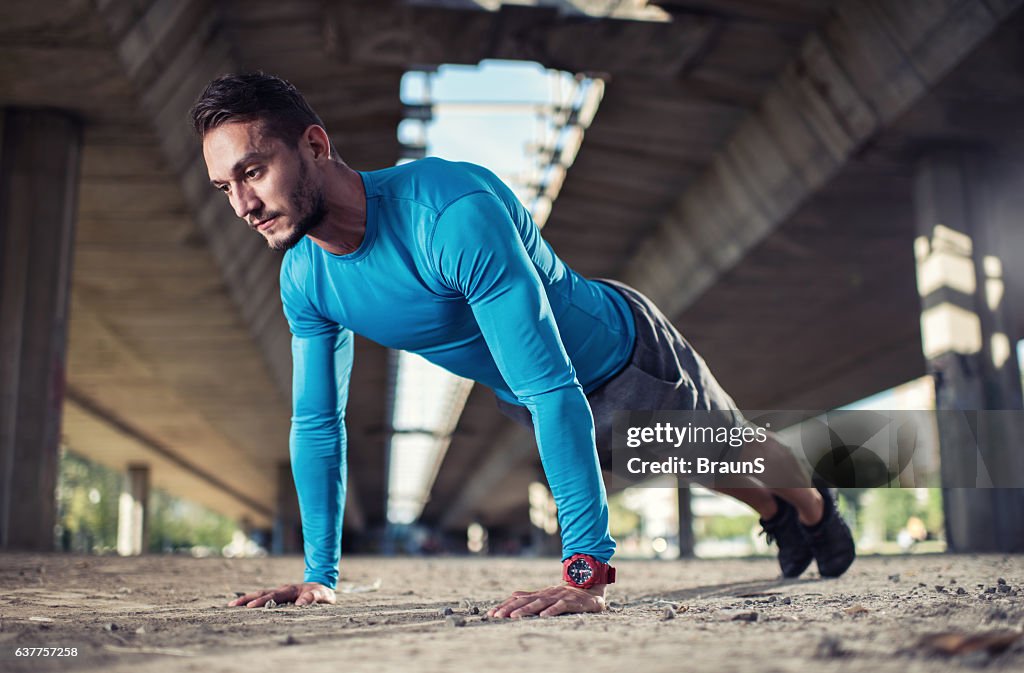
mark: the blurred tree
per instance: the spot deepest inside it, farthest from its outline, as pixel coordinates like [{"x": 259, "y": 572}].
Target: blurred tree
[
  {"x": 890, "y": 509},
  {"x": 87, "y": 496},
  {"x": 622, "y": 521},
  {"x": 726, "y": 527},
  {"x": 176, "y": 524}
]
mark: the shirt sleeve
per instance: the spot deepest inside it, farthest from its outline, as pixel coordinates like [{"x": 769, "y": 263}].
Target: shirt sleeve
[
  {"x": 480, "y": 254},
  {"x": 321, "y": 369}
]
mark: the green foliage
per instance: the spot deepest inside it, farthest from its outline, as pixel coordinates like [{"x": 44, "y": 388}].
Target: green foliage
[
  {"x": 178, "y": 524},
  {"x": 890, "y": 508},
  {"x": 622, "y": 521},
  {"x": 934, "y": 517},
  {"x": 87, "y": 499},
  {"x": 727, "y": 527},
  {"x": 88, "y": 496}
]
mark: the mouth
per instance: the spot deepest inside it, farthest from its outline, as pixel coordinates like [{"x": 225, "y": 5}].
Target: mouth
[{"x": 260, "y": 226}]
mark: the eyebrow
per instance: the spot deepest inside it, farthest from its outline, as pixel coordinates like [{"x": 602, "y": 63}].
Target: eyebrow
[{"x": 240, "y": 164}]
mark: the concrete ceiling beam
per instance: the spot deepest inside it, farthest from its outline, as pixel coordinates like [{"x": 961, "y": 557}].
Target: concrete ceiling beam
[{"x": 852, "y": 77}]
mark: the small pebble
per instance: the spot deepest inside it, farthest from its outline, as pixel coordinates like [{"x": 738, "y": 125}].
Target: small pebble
[
  {"x": 446, "y": 611},
  {"x": 990, "y": 590},
  {"x": 668, "y": 613},
  {"x": 290, "y": 640},
  {"x": 940, "y": 588},
  {"x": 787, "y": 601},
  {"x": 745, "y": 617},
  {"x": 1004, "y": 589},
  {"x": 270, "y": 605},
  {"x": 111, "y": 627},
  {"x": 454, "y": 621},
  {"x": 1000, "y": 581},
  {"x": 960, "y": 591},
  {"x": 894, "y": 578},
  {"x": 830, "y": 648},
  {"x": 474, "y": 610}
]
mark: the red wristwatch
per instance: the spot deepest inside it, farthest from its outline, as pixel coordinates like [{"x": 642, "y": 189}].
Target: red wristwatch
[{"x": 583, "y": 571}]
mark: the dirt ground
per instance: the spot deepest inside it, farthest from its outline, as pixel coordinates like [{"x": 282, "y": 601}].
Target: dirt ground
[{"x": 168, "y": 614}]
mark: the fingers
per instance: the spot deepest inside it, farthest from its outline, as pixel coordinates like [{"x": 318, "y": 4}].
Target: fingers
[
  {"x": 253, "y": 595},
  {"x": 317, "y": 594},
  {"x": 257, "y": 599},
  {"x": 533, "y": 607},
  {"x": 519, "y": 599},
  {"x": 260, "y": 601},
  {"x": 549, "y": 602},
  {"x": 312, "y": 596},
  {"x": 301, "y": 594},
  {"x": 557, "y": 608}
]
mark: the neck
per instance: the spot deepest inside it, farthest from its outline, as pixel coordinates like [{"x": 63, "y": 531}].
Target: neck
[{"x": 342, "y": 231}]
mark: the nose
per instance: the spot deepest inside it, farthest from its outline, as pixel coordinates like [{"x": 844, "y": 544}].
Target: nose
[{"x": 244, "y": 201}]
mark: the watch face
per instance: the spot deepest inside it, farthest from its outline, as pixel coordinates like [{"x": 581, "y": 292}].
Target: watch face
[{"x": 579, "y": 571}]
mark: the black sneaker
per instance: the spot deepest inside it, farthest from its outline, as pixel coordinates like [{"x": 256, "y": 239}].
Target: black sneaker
[
  {"x": 830, "y": 539},
  {"x": 784, "y": 528}
]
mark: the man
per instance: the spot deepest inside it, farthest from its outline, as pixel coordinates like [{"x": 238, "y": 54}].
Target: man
[{"x": 442, "y": 260}]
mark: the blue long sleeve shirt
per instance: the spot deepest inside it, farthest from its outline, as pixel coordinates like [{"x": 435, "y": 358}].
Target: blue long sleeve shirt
[{"x": 453, "y": 268}]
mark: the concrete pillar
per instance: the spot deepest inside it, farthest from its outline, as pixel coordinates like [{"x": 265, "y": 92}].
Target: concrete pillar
[
  {"x": 133, "y": 512},
  {"x": 287, "y": 537},
  {"x": 39, "y": 162},
  {"x": 965, "y": 329},
  {"x": 686, "y": 541}
]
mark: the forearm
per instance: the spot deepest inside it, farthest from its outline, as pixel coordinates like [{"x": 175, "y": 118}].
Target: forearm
[
  {"x": 321, "y": 368},
  {"x": 564, "y": 429},
  {"x": 320, "y": 477}
]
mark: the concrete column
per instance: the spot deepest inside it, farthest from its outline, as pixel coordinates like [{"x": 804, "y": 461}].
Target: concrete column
[
  {"x": 39, "y": 162},
  {"x": 287, "y": 537},
  {"x": 133, "y": 512},
  {"x": 686, "y": 541},
  {"x": 965, "y": 329}
]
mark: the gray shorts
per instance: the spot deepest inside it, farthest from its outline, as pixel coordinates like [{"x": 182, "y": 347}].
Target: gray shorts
[{"x": 663, "y": 373}]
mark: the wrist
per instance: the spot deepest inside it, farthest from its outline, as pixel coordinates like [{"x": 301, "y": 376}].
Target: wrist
[{"x": 584, "y": 572}]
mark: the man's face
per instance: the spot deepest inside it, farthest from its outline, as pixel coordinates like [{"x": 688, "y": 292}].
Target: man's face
[{"x": 268, "y": 182}]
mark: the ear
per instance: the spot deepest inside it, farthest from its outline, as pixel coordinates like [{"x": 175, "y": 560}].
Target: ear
[{"x": 315, "y": 140}]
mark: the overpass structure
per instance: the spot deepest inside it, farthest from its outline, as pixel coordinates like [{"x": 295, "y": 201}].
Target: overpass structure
[{"x": 772, "y": 174}]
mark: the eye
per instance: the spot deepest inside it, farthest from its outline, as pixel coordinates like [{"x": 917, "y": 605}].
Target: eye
[{"x": 253, "y": 173}]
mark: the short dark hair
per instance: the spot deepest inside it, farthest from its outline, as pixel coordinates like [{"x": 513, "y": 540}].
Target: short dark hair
[{"x": 254, "y": 96}]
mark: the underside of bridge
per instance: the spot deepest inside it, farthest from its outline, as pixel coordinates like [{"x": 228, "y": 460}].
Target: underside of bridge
[{"x": 751, "y": 168}]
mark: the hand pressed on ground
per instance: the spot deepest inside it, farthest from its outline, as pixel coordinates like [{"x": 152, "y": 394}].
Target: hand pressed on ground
[
  {"x": 304, "y": 593},
  {"x": 550, "y": 602}
]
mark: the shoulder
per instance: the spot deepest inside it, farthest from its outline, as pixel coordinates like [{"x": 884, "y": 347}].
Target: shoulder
[{"x": 434, "y": 183}]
